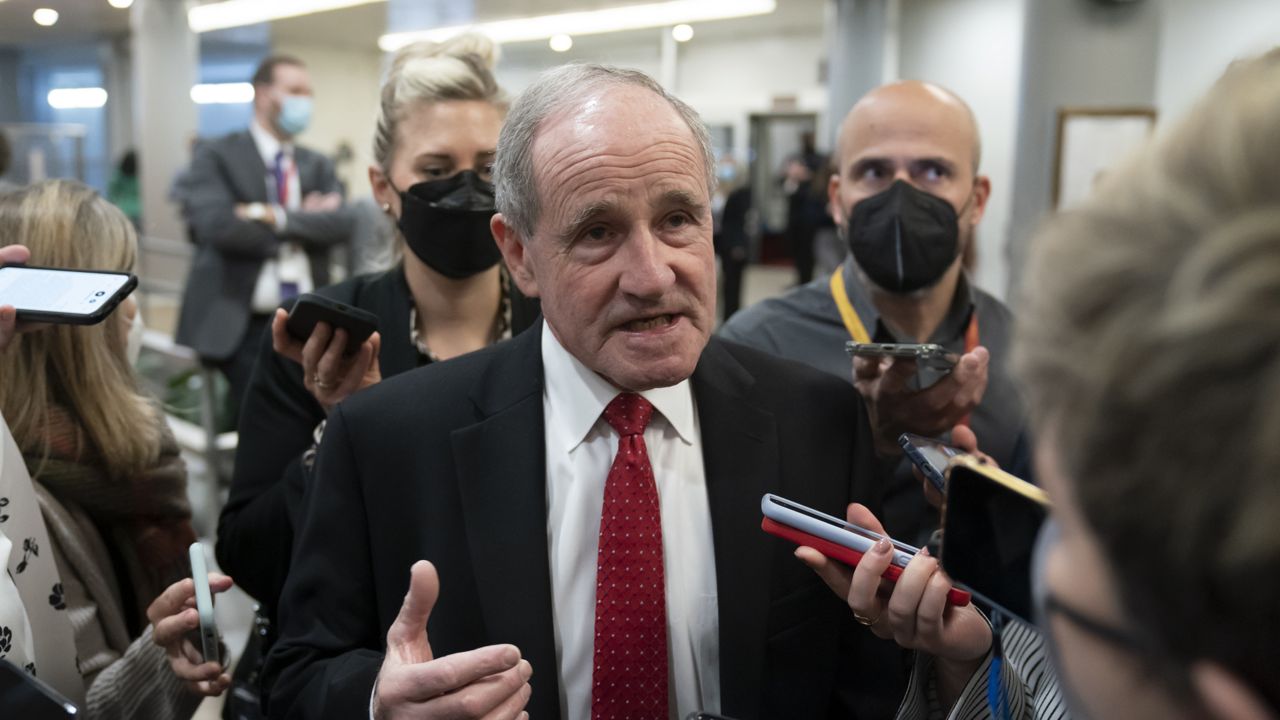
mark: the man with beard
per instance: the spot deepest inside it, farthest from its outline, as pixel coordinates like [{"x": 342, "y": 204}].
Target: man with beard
[{"x": 907, "y": 198}]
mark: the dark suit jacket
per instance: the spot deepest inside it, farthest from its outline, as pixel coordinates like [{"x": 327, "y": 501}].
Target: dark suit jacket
[
  {"x": 447, "y": 463},
  {"x": 278, "y": 417},
  {"x": 230, "y": 252}
]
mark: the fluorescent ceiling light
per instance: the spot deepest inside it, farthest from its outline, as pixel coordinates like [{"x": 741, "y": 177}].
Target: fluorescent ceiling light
[
  {"x": 45, "y": 16},
  {"x": 222, "y": 93},
  {"x": 122, "y": 4},
  {"x": 235, "y": 13},
  {"x": 591, "y": 22},
  {"x": 73, "y": 98}
]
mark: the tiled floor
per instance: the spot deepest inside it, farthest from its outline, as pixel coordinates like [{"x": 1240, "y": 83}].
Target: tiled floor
[{"x": 235, "y": 609}]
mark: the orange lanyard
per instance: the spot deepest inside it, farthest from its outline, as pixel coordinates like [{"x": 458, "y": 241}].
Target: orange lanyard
[{"x": 858, "y": 331}]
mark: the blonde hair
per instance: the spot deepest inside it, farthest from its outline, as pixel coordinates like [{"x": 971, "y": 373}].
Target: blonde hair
[
  {"x": 460, "y": 68},
  {"x": 1150, "y": 349},
  {"x": 82, "y": 368}
]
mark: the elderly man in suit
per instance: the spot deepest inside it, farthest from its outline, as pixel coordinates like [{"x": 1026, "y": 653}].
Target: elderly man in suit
[
  {"x": 588, "y": 493},
  {"x": 264, "y": 213}
]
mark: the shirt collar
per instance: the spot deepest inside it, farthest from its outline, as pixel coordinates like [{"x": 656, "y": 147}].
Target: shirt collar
[
  {"x": 580, "y": 395},
  {"x": 268, "y": 145}
]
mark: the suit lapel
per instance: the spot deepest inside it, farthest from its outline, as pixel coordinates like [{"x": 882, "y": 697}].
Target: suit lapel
[
  {"x": 249, "y": 170},
  {"x": 502, "y": 483},
  {"x": 740, "y": 452}
]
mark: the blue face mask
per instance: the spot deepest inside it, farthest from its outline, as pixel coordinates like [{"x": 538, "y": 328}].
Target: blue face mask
[{"x": 295, "y": 114}]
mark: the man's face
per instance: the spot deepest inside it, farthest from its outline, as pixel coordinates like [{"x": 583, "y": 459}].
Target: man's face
[
  {"x": 621, "y": 256},
  {"x": 286, "y": 79},
  {"x": 916, "y": 134}
]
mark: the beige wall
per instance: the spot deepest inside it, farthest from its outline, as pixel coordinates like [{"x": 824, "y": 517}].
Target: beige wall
[{"x": 346, "y": 103}]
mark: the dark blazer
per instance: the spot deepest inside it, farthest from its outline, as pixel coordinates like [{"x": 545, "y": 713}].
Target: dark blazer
[
  {"x": 447, "y": 463},
  {"x": 230, "y": 252},
  {"x": 277, "y": 420}
]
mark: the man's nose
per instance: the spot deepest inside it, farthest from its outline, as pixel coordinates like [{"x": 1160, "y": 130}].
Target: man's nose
[{"x": 646, "y": 272}]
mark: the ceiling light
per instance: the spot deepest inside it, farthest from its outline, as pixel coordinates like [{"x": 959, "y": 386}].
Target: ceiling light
[
  {"x": 45, "y": 16},
  {"x": 682, "y": 32},
  {"x": 590, "y": 22},
  {"x": 122, "y": 4},
  {"x": 561, "y": 42},
  {"x": 235, "y": 13},
  {"x": 75, "y": 98},
  {"x": 222, "y": 93}
]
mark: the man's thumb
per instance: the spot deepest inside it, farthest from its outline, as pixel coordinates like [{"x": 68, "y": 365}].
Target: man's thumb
[{"x": 407, "y": 637}]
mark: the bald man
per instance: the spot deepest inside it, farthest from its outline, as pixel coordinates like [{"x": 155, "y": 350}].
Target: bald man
[{"x": 907, "y": 199}]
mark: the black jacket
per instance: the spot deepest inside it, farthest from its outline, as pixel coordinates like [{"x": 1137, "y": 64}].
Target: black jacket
[
  {"x": 277, "y": 420},
  {"x": 447, "y": 463}
]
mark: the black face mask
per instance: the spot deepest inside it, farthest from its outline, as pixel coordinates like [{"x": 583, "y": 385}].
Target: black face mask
[
  {"x": 446, "y": 224},
  {"x": 904, "y": 239}
]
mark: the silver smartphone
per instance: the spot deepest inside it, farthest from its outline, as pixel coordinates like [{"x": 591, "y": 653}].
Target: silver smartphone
[
  {"x": 933, "y": 362},
  {"x": 26, "y": 697},
  {"x": 58, "y": 295},
  {"x": 204, "y": 604}
]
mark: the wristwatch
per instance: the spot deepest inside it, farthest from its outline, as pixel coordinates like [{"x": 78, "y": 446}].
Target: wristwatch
[{"x": 256, "y": 211}]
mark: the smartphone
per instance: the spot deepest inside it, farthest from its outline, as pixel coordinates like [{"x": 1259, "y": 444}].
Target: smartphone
[
  {"x": 54, "y": 295},
  {"x": 311, "y": 309},
  {"x": 837, "y": 539},
  {"x": 25, "y": 696},
  {"x": 204, "y": 604},
  {"x": 933, "y": 362},
  {"x": 990, "y": 522},
  {"x": 930, "y": 455}
]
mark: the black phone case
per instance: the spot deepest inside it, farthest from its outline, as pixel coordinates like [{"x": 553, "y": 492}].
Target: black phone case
[
  {"x": 97, "y": 316},
  {"x": 312, "y": 309}
]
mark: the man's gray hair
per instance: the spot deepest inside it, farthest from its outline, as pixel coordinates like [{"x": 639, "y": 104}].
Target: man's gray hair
[{"x": 556, "y": 91}]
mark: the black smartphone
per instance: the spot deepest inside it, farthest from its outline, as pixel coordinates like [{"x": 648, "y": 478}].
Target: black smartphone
[
  {"x": 56, "y": 295},
  {"x": 930, "y": 455},
  {"x": 25, "y": 696},
  {"x": 312, "y": 309},
  {"x": 990, "y": 523}
]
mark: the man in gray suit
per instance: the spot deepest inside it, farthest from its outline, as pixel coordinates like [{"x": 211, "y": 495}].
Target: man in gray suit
[{"x": 264, "y": 213}]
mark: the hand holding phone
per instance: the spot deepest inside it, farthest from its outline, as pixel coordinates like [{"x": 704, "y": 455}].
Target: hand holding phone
[
  {"x": 835, "y": 538},
  {"x": 209, "y": 637},
  {"x": 312, "y": 309}
]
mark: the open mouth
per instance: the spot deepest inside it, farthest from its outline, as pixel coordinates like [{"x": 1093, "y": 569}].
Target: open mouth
[{"x": 654, "y": 323}]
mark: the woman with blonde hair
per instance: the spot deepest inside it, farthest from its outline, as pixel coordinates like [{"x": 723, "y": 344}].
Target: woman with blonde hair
[
  {"x": 448, "y": 294},
  {"x": 109, "y": 482}
]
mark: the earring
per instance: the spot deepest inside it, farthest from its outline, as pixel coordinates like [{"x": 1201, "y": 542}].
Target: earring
[{"x": 386, "y": 207}]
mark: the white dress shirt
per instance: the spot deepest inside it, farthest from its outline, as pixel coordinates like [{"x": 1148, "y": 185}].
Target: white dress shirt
[
  {"x": 580, "y": 450},
  {"x": 291, "y": 264}
]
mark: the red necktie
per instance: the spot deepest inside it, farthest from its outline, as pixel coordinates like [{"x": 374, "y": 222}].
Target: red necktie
[{"x": 629, "y": 679}]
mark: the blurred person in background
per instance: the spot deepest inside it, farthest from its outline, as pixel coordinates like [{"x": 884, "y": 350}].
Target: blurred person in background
[
  {"x": 907, "y": 196},
  {"x": 123, "y": 191},
  {"x": 110, "y": 485},
  {"x": 264, "y": 213},
  {"x": 446, "y": 295}
]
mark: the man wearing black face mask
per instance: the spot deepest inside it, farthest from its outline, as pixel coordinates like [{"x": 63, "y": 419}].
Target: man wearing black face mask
[{"x": 907, "y": 198}]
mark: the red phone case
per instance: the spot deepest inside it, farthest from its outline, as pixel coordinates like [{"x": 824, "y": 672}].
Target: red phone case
[{"x": 848, "y": 556}]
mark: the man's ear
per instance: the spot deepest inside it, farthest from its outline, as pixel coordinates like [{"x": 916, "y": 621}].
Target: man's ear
[
  {"x": 833, "y": 200},
  {"x": 513, "y": 253},
  {"x": 981, "y": 193},
  {"x": 1225, "y": 696}
]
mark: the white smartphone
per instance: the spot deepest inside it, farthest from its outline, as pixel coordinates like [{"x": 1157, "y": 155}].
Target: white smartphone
[
  {"x": 54, "y": 295},
  {"x": 204, "y": 604}
]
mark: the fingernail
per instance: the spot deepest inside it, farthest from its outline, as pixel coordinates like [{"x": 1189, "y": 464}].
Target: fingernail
[
  {"x": 526, "y": 669},
  {"x": 882, "y": 546},
  {"x": 925, "y": 551}
]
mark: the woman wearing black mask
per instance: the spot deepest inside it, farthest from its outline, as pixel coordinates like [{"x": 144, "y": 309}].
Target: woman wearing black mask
[{"x": 446, "y": 295}]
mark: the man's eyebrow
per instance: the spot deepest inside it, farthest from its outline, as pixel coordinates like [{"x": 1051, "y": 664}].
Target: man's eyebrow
[
  {"x": 585, "y": 215},
  {"x": 683, "y": 197}
]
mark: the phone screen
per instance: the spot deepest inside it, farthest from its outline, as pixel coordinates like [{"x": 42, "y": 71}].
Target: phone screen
[
  {"x": 29, "y": 698},
  {"x": 66, "y": 292},
  {"x": 990, "y": 526}
]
